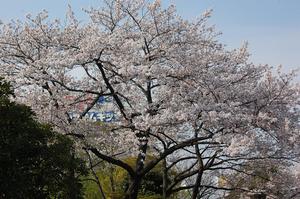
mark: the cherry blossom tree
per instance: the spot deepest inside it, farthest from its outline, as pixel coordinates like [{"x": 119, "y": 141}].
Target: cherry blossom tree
[
  {"x": 270, "y": 177},
  {"x": 178, "y": 94}
]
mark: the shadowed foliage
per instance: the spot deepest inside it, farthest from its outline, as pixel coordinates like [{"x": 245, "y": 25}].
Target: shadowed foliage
[{"x": 35, "y": 161}]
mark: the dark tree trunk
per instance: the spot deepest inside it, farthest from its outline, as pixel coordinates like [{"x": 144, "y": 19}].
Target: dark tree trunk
[
  {"x": 200, "y": 170},
  {"x": 197, "y": 185},
  {"x": 111, "y": 178},
  {"x": 258, "y": 196},
  {"x": 132, "y": 192},
  {"x": 165, "y": 178}
]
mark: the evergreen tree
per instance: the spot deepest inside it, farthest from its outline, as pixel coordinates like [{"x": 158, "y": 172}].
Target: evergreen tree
[{"x": 35, "y": 161}]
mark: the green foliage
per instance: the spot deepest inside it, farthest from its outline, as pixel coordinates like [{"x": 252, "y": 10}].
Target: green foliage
[
  {"x": 115, "y": 181},
  {"x": 35, "y": 162},
  {"x": 5, "y": 91}
]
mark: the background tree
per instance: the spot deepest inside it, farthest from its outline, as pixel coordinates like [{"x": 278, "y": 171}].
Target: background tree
[
  {"x": 115, "y": 182},
  {"x": 178, "y": 94},
  {"x": 270, "y": 177},
  {"x": 35, "y": 162}
]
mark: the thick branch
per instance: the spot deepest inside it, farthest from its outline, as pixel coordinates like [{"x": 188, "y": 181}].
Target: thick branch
[
  {"x": 111, "y": 89},
  {"x": 172, "y": 149},
  {"x": 112, "y": 161}
]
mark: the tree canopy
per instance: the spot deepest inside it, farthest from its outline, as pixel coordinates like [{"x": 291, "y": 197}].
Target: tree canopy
[{"x": 179, "y": 95}]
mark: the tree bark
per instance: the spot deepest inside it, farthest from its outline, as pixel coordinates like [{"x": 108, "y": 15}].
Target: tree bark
[
  {"x": 134, "y": 186},
  {"x": 165, "y": 178},
  {"x": 200, "y": 170},
  {"x": 197, "y": 185},
  {"x": 132, "y": 192}
]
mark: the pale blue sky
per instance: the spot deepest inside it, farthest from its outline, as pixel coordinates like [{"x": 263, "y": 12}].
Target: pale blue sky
[{"x": 272, "y": 27}]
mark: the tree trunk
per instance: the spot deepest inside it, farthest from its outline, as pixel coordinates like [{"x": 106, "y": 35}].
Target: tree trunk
[
  {"x": 132, "y": 192},
  {"x": 111, "y": 178},
  {"x": 197, "y": 185},
  {"x": 200, "y": 170},
  {"x": 165, "y": 178},
  {"x": 258, "y": 196},
  {"x": 134, "y": 186}
]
